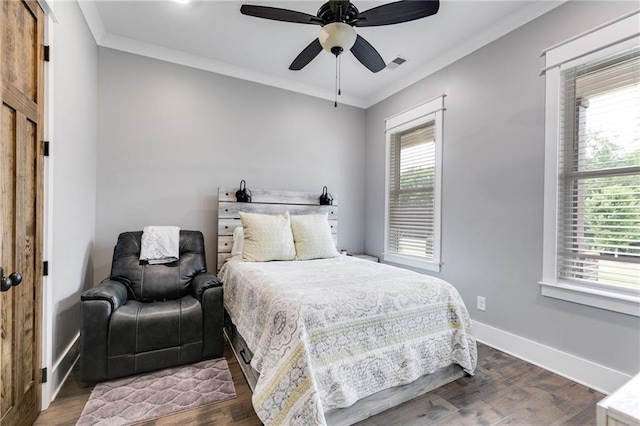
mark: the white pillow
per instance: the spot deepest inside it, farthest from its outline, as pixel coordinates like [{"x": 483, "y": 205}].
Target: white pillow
[
  {"x": 267, "y": 237},
  {"x": 238, "y": 239},
  {"x": 312, "y": 237}
]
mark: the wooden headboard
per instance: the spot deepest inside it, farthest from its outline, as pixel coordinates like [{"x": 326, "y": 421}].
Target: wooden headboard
[{"x": 266, "y": 202}]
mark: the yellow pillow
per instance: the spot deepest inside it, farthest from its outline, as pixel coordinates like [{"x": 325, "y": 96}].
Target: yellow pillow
[
  {"x": 312, "y": 237},
  {"x": 267, "y": 237}
]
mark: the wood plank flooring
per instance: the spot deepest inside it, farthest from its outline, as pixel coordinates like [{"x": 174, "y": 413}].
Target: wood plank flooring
[{"x": 504, "y": 391}]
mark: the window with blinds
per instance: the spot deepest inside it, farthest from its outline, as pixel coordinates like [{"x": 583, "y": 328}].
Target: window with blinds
[
  {"x": 413, "y": 186},
  {"x": 599, "y": 173},
  {"x": 411, "y": 192}
]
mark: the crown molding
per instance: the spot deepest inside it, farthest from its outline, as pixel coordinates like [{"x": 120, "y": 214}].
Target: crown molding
[
  {"x": 511, "y": 23},
  {"x": 104, "y": 39},
  {"x": 94, "y": 21},
  {"x": 193, "y": 61}
]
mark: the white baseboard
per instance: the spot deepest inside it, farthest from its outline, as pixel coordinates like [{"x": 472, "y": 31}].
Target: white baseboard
[
  {"x": 588, "y": 373},
  {"x": 62, "y": 368}
]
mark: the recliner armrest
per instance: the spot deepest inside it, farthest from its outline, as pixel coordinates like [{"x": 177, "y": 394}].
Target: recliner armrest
[
  {"x": 96, "y": 306},
  {"x": 203, "y": 282},
  {"x": 112, "y": 291},
  {"x": 207, "y": 289}
]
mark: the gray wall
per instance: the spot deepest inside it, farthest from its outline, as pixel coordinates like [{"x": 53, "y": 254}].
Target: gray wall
[
  {"x": 169, "y": 136},
  {"x": 72, "y": 172},
  {"x": 493, "y": 188}
]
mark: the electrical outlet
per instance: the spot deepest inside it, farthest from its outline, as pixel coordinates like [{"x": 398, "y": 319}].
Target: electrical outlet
[{"x": 482, "y": 303}]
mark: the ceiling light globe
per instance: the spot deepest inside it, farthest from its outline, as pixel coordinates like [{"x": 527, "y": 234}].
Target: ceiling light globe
[{"x": 337, "y": 34}]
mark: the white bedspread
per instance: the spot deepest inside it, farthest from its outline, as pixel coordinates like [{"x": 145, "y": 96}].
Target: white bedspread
[{"x": 326, "y": 333}]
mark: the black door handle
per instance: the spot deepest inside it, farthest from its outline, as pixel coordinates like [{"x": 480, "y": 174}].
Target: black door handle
[
  {"x": 16, "y": 278},
  {"x": 13, "y": 279}
]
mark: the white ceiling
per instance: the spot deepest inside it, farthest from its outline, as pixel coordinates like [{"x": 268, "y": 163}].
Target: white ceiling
[{"x": 215, "y": 36}]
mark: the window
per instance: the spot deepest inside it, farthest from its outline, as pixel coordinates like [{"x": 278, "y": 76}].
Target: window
[
  {"x": 592, "y": 180},
  {"x": 599, "y": 160},
  {"x": 414, "y": 146}
]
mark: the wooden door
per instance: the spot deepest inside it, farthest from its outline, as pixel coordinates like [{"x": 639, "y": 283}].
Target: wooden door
[{"x": 21, "y": 208}]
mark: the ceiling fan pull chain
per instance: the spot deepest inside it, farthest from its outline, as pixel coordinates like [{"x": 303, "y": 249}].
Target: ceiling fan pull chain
[
  {"x": 335, "y": 102},
  {"x": 339, "y": 75}
]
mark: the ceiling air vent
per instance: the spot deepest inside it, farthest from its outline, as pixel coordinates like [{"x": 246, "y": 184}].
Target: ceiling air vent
[{"x": 396, "y": 62}]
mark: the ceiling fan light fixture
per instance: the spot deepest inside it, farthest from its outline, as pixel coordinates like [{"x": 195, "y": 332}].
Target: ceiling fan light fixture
[
  {"x": 337, "y": 35},
  {"x": 338, "y": 19}
]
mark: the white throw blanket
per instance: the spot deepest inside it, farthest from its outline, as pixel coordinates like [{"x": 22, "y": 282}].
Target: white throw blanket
[{"x": 160, "y": 244}]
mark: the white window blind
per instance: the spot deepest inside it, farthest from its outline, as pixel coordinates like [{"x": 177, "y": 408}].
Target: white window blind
[
  {"x": 591, "y": 179},
  {"x": 599, "y": 173},
  {"x": 411, "y": 214},
  {"x": 413, "y": 186}
]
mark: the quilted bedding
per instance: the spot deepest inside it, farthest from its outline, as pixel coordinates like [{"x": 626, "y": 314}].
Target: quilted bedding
[{"x": 326, "y": 333}]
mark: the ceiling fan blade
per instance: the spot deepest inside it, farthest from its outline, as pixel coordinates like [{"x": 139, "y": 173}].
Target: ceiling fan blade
[
  {"x": 306, "y": 56},
  {"x": 367, "y": 55},
  {"x": 397, "y": 12},
  {"x": 278, "y": 14}
]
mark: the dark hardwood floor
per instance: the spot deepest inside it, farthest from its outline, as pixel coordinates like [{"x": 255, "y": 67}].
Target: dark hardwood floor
[{"x": 504, "y": 391}]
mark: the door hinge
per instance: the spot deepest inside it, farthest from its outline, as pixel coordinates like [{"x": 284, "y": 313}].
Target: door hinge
[
  {"x": 43, "y": 377},
  {"x": 45, "y": 268},
  {"x": 47, "y": 54},
  {"x": 46, "y": 148}
]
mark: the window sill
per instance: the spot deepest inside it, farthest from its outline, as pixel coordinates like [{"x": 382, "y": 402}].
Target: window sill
[
  {"x": 411, "y": 262},
  {"x": 612, "y": 301}
]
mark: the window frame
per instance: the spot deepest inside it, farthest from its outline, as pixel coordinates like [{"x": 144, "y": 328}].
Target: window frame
[
  {"x": 431, "y": 110},
  {"x": 607, "y": 39}
]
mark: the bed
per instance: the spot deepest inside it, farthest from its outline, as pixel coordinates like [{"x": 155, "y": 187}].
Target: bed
[{"x": 338, "y": 339}]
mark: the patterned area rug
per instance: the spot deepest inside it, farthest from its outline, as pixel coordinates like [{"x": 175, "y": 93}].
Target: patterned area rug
[{"x": 159, "y": 393}]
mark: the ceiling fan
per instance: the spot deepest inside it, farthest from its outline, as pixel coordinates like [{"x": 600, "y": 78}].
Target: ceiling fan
[{"x": 338, "y": 19}]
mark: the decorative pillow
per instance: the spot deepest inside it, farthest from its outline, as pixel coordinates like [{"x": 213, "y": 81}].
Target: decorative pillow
[
  {"x": 312, "y": 236},
  {"x": 238, "y": 239},
  {"x": 267, "y": 237}
]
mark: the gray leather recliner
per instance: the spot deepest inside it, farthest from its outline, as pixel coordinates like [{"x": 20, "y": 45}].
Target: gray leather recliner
[{"x": 147, "y": 317}]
